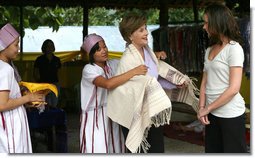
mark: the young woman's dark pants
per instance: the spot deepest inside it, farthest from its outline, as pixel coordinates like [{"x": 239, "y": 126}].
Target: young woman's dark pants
[{"x": 225, "y": 135}]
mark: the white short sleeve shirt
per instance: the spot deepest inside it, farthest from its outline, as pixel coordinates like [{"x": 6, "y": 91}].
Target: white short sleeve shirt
[
  {"x": 88, "y": 89},
  {"x": 218, "y": 71}
]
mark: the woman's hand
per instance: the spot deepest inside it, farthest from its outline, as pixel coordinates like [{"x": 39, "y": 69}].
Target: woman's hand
[
  {"x": 203, "y": 111},
  {"x": 182, "y": 85},
  {"x": 202, "y": 115},
  {"x": 204, "y": 120},
  {"x": 140, "y": 70},
  {"x": 161, "y": 55}
]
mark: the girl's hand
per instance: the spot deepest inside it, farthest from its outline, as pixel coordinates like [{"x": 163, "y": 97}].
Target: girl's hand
[
  {"x": 161, "y": 55},
  {"x": 36, "y": 97},
  {"x": 140, "y": 70},
  {"x": 35, "y": 104},
  {"x": 39, "y": 104}
]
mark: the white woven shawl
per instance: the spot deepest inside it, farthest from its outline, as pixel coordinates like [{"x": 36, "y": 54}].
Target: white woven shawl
[{"x": 141, "y": 102}]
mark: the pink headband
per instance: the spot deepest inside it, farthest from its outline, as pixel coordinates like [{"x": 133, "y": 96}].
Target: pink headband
[
  {"x": 90, "y": 40},
  {"x": 7, "y": 35}
]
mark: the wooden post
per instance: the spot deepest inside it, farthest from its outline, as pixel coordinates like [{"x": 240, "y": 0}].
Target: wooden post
[
  {"x": 21, "y": 31},
  {"x": 85, "y": 19},
  {"x": 163, "y": 13},
  {"x": 195, "y": 10}
]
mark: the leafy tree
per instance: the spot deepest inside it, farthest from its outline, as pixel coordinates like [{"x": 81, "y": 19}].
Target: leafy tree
[
  {"x": 180, "y": 14},
  {"x": 102, "y": 16},
  {"x": 73, "y": 16},
  {"x": 33, "y": 17},
  {"x": 54, "y": 17},
  {"x": 6, "y": 13}
]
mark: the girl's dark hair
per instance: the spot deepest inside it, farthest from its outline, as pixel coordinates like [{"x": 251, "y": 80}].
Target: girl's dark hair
[
  {"x": 48, "y": 46},
  {"x": 92, "y": 52},
  {"x": 221, "y": 22}
]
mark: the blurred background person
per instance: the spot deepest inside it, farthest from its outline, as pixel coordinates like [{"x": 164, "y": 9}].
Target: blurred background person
[{"x": 46, "y": 68}]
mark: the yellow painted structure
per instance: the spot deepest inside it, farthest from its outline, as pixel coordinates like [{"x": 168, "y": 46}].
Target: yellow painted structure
[{"x": 73, "y": 63}]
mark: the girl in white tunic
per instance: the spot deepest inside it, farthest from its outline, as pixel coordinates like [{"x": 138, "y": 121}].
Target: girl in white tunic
[
  {"x": 98, "y": 134},
  {"x": 14, "y": 131}
]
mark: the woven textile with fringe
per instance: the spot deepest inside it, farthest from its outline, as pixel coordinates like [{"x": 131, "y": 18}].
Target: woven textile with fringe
[{"x": 141, "y": 102}]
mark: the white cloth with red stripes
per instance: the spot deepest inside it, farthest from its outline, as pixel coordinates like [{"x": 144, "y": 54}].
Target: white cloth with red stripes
[
  {"x": 98, "y": 134},
  {"x": 14, "y": 130}
]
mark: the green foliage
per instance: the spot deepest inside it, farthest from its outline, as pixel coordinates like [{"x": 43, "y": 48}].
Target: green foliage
[
  {"x": 175, "y": 14},
  {"x": 73, "y": 16},
  {"x": 153, "y": 17},
  {"x": 104, "y": 17},
  {"x": 6, "y": 15},
  {"x": 33, "y": 17}
]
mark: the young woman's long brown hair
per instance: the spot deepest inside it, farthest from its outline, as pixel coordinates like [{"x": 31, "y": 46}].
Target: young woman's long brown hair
[{"x": 221, "y": 22}]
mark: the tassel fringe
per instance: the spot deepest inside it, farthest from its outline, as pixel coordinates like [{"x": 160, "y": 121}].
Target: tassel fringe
[
  {"x": 193, "y": 85},
  {"x": 160, "y": 119}
]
